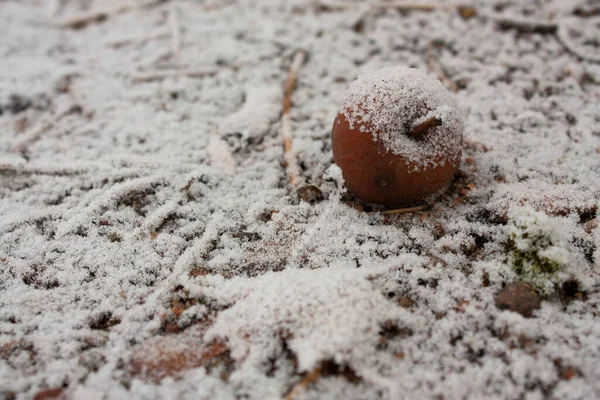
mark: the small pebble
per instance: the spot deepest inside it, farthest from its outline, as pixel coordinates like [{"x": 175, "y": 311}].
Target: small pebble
[
  {"x": 310, "y": 194},
  {"x": 591, "y": 225},
  {"x": 406, "y": 302},
  {"x": 518, "y": 297}
]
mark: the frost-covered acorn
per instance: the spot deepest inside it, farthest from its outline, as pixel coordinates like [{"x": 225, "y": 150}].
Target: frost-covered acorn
[{"x": 398, "y": 137}]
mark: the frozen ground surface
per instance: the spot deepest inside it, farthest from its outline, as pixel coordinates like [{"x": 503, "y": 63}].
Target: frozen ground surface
[{"x": 151, "y": 246}]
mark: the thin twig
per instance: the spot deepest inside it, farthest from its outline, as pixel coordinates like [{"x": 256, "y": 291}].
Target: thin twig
[
  {"x": 292, "y": 168},
  {"x": 307, "y": 380},
  {"x": 175, "y": 31},
  {"x": 525, "y": 25},
  {"x": 81, "y": 20},
  {"x": 291, "y": 80},
  {"x": 466, "y": 12},
  {"x": 407, "y": 210},
  {"x": 141, "y": 39},
  {"x": 390, "y": 5},
  {"x": 159, "y": 75},
  {"x": 434, "y": 67},
  {"x": 23, "y": 170},
  {"x": 34, "y": 133}
]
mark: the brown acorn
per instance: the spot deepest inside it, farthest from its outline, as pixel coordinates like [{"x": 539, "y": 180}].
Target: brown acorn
[{"x": 398, "y": 137}]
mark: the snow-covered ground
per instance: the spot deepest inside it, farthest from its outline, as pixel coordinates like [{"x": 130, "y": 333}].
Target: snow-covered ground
[{"x": 151, "y": 245}]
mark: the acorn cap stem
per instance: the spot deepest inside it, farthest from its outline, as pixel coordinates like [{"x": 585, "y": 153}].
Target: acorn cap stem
[{"x": 421, "y": 128}]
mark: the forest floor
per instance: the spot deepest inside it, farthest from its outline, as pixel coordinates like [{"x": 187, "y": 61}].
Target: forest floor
[{"x": 152, "y": 245}]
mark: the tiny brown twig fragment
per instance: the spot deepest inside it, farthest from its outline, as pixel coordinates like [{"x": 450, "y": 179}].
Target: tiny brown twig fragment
[
  {"x": 307, "y": 380},
  {"x": 82, "y": 20},
  {"x": 386, "y": 5},
  {"x": 434, "y": 67},
  {"x": 527, "y": 26}
]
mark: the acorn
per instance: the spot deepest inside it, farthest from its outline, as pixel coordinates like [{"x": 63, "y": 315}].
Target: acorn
[{"x": 398, "y": 137}]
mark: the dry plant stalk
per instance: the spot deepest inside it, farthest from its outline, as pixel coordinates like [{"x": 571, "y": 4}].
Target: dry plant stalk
[
  {"x": 331, "y": 5},
  {"x": 434, "y": 67},
  {"x": 141, "y": 39},
  {"x": 292, "y": 169},
  {"x": 159, "y": 75},
  {"x": 465, "y": 11},
  {"x": 422, "y": 207},
  {"x": 82, "y": 20},
  {"x": 307, "y": 380},
  {"x": 407, "y": 210},
  {"x": 35, "y": 132}
]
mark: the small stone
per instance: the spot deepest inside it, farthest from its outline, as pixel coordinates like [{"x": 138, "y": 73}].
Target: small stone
[
  {"x": 198, "y": 271},
  {"x": 435, "y": 261},
  {"x": 172, "y": 327},
  {"x": 518, "y": 297},
  {"x": 406, "y": 302},
  {"x": 467, "y": 12},
  {"x": 591, "y": 225},
  {"x": 266, "y": 215},
  {"x": 438, "y": 230},
  {"x": 310, "y": 194},
  {"x": 247, "y": 236}
]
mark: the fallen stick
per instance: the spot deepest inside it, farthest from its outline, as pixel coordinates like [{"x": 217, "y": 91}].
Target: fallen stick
[
  {"x": 292, "y": 169},
  {"x": 407, "y": 210},
  {"x": 434, "y": 67},
  {"x": 83, "y": 19},
  {"x": 465, "y": 11},
  {"x": 141, "y": 39},
  {"x": 159, "y": 75},
  {"x": 43, "y": 126},
  {"x": 525, "y": 25},
  {"x": 332, "y": 5}
]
